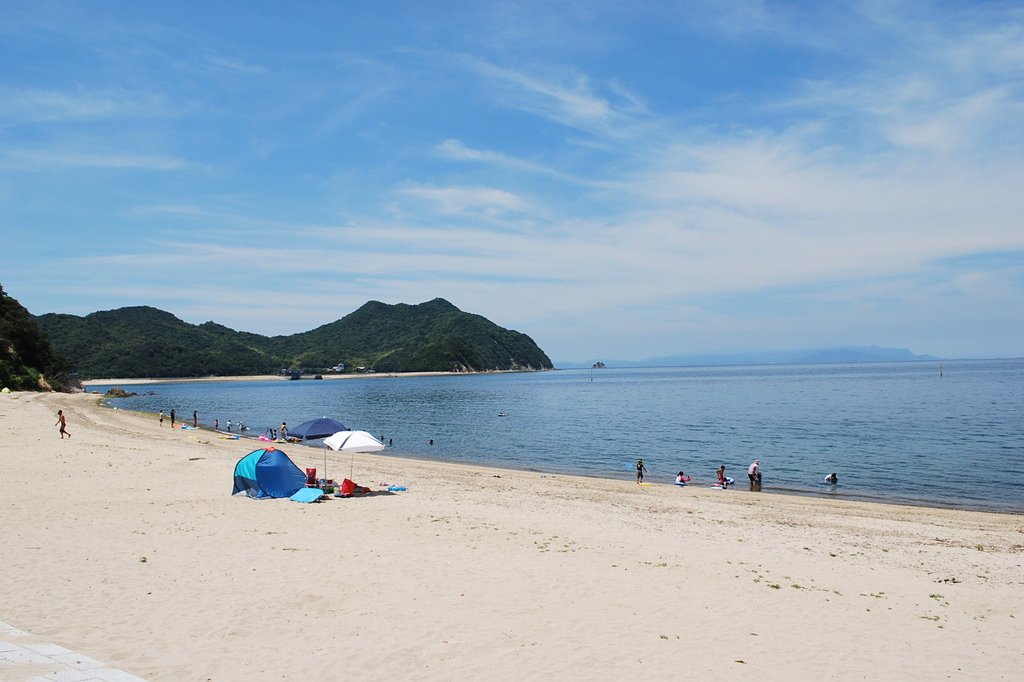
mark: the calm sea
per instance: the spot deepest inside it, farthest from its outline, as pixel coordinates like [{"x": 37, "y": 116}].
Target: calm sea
[{"x": 896, "y": 432}]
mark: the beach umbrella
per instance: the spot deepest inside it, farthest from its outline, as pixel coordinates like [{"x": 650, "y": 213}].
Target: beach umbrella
[
  {"x": 353, "y": 442},
  {"x": 317, "y": 428}
]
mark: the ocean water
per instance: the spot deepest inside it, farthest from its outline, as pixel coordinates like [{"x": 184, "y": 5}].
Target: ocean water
[{"x": 895, "y": 432}]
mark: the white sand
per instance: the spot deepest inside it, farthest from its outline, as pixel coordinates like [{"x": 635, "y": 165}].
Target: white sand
[
  {"x": 124, "y": 544},
  {"x": 277, "y": 377}
]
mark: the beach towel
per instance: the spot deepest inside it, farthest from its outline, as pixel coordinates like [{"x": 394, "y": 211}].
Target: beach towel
[{"x": 307, "y": 495}]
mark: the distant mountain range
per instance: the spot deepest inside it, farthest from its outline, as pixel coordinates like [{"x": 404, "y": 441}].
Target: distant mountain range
[
  {"x": 818, "y": 356},
  {"x": 432, "y": 336}
]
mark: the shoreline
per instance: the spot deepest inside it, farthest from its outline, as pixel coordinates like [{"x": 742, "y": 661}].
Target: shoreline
[
  {"x": 139, "y": 556},
  {"x": 99, "y": 402},
  {"x": 305, "y": 377},
  {"x": 864, "y": 498}
]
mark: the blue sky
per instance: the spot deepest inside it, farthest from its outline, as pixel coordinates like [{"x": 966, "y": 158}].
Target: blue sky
[{"x": 619, "y": 180}]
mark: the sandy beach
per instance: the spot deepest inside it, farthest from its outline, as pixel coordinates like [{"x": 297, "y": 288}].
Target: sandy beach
[
  {"x": 123, "y": 543},
  {"x": 276, "y": 377}
]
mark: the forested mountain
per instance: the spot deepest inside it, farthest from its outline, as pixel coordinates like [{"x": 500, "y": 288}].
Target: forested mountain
[
  {"x": 27, "y": 359},
  {"x": 431, "y": 336},
  {"x": 147, "y": 342}
]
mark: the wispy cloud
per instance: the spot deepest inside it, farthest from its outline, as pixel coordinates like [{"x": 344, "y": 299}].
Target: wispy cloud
[
  {"x": 44, "y": 159},
  {"x": 235, "y": 65},
  {"x": 568, "y": 98},
  {"x": 455, "y": 200},
  {"x": 456, "y": 150},
  {"x": 18, "y": 105},
  {"x": 716, "y": 174}
]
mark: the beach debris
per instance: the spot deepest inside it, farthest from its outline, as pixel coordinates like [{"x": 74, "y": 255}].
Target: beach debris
[{"x": 953, "y": 580}]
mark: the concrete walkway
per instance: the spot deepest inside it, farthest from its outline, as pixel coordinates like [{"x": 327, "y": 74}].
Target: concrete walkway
[{"x": 23, "y": 658}]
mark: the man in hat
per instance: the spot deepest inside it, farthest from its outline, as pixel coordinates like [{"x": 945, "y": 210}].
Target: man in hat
[{"x": 754, "y": 474}]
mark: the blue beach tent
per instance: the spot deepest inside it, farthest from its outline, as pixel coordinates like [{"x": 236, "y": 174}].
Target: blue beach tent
[{"x": 267, "y": 472}]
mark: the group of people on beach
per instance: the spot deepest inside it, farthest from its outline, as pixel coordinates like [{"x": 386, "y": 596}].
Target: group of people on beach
[
  {"x": 174, "y": 418},
  {"x": 723, "y": 481},
  {"x": 753, "y": 473}
]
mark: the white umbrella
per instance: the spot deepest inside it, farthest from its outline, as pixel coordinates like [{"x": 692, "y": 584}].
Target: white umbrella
[{"x": 351, "y": 441}]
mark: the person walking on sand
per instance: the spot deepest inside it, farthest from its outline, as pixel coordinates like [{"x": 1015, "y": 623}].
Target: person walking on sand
[
  {"x": 63, "y": 424},
  {"x": 172, "y": 417},
  {"x": 640, "y": 470},
  {"x": 195, "y": 419},
  {"x": 161, "y": 417}
]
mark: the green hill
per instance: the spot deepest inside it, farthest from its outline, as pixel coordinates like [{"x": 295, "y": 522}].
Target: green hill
[
  {"x": 27, "y": 359},
  {"x": 146, "y": 342},
  {"x": 431, "y": 336}
]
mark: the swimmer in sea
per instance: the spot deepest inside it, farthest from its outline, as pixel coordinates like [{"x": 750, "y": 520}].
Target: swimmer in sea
[{"x": 832, "y": 479}]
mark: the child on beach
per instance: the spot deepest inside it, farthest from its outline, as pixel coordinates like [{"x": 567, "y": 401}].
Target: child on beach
[
  {"x": 63, "y": 424},
  {"x": 682, "y": 478},
  {"x": 640, "y": 469},
  {"x": 722, "y": 481}
]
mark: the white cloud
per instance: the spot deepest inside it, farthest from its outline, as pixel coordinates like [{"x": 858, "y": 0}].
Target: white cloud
[
  {"x": 609, "y": 216},
  {"x": 454, "y": 200},
  {"x": 456, "y": 150},
  {"x": 43, "y": 159},
  {"x": 569, "y": 100},
  {"x": 56, "y": 105}
]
